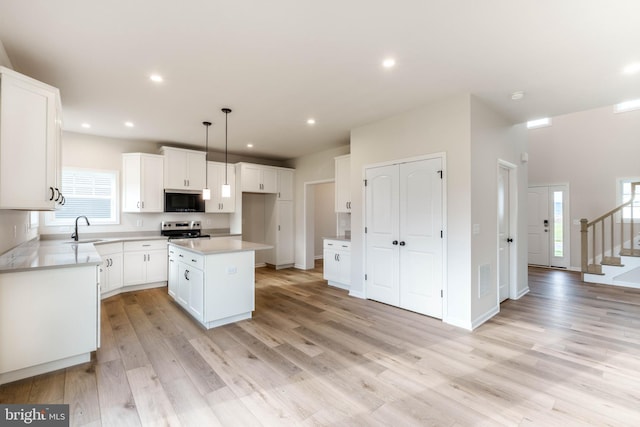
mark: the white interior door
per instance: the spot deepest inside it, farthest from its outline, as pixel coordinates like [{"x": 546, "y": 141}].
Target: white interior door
[
  {"x": 420, "y": 242},
  {"x": 538, "y": 225},
  {"x": 382, "y": 231},
  {"x": 504, "y": 233}
]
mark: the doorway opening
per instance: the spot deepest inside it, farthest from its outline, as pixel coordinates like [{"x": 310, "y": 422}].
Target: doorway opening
[
  {"x": 507, "y": 229},
  {"x": 319, "y": 220}
]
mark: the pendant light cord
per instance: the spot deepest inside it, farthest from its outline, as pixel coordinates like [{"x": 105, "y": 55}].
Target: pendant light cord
[
  {"x": 206, "y": 154},
  {"x": 226, "y": 112}
]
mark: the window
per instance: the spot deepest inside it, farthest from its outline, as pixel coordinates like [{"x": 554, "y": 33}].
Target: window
[
  {"x": 624, "y": 195},
  {"x": 93, "y": 193}
]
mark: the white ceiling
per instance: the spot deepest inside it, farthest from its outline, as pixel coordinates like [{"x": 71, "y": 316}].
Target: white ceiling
[{"x": 278, "y": 62}]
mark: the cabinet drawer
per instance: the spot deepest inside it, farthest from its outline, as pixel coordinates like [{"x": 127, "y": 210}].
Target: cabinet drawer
[
  {"x": 108, "y": 248},
  {"x": 145, "y": 245},
  {"x": 337, "y": 244},
  {"x": 190, "y": 258}
]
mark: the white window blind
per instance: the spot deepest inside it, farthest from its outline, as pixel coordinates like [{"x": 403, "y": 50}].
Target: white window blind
[{"x": 92, "y": 193}]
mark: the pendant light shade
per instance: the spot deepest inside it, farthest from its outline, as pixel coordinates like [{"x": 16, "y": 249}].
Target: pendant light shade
[
  {"x": 226, "y": 188},
  {"x": 206, "y": 192}
]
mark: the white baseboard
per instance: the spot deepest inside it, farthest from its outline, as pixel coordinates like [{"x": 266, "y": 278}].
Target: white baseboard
[{"x": 488, "y": 315}]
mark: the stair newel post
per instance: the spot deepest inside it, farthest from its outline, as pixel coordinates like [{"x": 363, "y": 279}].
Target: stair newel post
[{"x": 584, "y": 233}]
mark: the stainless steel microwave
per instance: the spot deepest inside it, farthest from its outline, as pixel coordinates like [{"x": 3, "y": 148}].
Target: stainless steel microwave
[{"x": 183, "y": 202}]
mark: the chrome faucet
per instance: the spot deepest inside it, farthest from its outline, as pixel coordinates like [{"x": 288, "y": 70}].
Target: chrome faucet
[{"x": 74, "y": 236}]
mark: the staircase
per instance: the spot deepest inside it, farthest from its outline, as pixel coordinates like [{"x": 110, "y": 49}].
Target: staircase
[{"x": 610, "y": 246}]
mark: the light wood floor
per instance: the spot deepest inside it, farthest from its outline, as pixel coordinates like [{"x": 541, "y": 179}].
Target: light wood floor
[{"x": 566, "y": 354}]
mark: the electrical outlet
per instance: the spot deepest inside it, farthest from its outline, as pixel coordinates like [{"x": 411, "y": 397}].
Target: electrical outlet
[
  {"x": 15, "y": 232},
  {"x": 139, "y": 223}
]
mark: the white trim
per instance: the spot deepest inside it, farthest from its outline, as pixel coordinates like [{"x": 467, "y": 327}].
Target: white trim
[
  {"x": 357, "y": 294},
  {"x": 486, "y": 316},
  {"x": 513, "y": 231}
]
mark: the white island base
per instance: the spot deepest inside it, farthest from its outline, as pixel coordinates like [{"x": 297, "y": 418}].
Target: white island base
[{"x": 214, "y": 281}]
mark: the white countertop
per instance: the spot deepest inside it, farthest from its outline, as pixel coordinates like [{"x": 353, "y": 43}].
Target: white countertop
[
  {"x": 340, "y": 238},
  {"x": 218, "y": 246},
  {"x": 36, "y": 254},
  {"x": 42, "y": 254}
]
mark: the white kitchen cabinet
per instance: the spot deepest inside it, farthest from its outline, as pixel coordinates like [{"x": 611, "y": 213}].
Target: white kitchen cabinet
[
  {"x": 216, "y": 288},
  {"x": 111, "y": 267},
  {"x": 184, "y": 169},
  {"x": 258, "y": 178},
  {"x": 218, "y": 174},
  {"x": 49, "y": 320},
  {"x": 343, "y": 183},
  {"x": 142, "y": 182},
  {"x": 279, "y": 234},
  {"x": 285, "y": 183},
  {"x": 30, "y": 130},
  {"x": 173, "y": 272},
  {"x": 144, "y": 262},
  {"x": 337, "y": 262}
]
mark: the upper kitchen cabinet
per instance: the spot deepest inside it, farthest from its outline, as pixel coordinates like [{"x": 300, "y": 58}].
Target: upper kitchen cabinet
[
  {"x": 30, "y": 139},
  {"x": 257, "y": 178},
  {"x": 219, "y": 173},
  {"x": 343, "y": 183},
  {"x": 142, "y": 187},
  {"x": 184, "y": 169},
  {"x": 285, "y": 184}
]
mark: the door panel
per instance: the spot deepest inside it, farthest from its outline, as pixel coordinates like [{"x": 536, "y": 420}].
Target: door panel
[
  {"x": 382, "y": 231},
  {"x": 538, "y": 211},
  {"x": 420, "y": 230},
  {"x": 504, "y": 233}
]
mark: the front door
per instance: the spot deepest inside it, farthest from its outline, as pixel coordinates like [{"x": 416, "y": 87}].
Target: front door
[{"x": 548, "y": 211}]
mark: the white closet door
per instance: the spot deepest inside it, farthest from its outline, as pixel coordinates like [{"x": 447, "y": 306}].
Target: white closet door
[
  {"x": 382, "y": 231},
  {"x": 420, "y": 237}
]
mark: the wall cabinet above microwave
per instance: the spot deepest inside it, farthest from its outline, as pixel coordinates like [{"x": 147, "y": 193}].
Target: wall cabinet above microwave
[{"x": 184, "y": 169}]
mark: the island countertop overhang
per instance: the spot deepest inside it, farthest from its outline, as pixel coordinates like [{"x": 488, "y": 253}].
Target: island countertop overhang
[{"x": 218, "y": 246}]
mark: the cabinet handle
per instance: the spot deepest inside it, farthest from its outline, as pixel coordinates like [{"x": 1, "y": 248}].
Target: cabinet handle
[
  {"x": 338, "y": 255},
  {"x": 278, "y": 194},
  {"x": 186, "y": 274},
  {"x": 57, "y": 195},
  {"x": 64, "y": 201},
  {"x": 144, "y": 259},
  {"x": 110, "y": 262},
  {"x": 146, "y": 245},
  {"x": 181, "y": 256},
  {"x": 278, "y": 228},
  {"x": 138, "y": 205},
  {"x": 52, "y": 193},
  {"x": 143, "y": 205},
  {"x": 188, "y": 183},
  {"x": 148, "y": 257},
  {"x": 193, "y": 260}
]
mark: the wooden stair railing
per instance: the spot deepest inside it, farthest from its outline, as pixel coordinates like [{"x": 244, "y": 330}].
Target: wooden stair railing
[{"x": 601, "y": 237}]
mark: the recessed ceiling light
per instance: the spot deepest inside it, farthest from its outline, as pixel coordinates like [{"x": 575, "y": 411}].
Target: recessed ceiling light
[
  {"x": 156, "y": 78},
  {"x": 627, "y": 106},
  {"x": 128, "y": 124},
  {"x": 539, "y": 123},
  {"x": 632, "y": 68},
  {"x": 86, "y": 125},
  {"x": 518, "y": 95},
  {"x": 389, "y": 63},
  {"x": 311, "y": 121},
  {"x": 249, "y": 145}
]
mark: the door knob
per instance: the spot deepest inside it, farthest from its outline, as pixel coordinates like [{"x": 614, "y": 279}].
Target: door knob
[
  {"x": 509, "y": 240},
  {"x": 402, "y": 243},
  {"x": 395, "y": 242}
]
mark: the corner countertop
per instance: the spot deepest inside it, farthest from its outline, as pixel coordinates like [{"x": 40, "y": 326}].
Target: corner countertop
[
  {"x": 36, "y": 254},
  {"x": 218, "y": 246}
]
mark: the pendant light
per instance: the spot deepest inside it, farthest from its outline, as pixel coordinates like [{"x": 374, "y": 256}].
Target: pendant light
[
  {"x": 206, "y": 192},
  {"x": 226, "y": 188}
]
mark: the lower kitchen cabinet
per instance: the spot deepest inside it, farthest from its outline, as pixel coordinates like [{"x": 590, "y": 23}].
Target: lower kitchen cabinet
[
  {"x": 144, "y": 262},
  {"x": 111, "y": 267},
  {"x": 214, "y": 289},
  {"x": 337, "y": 263},
  {"x": 49, "y": 320}
]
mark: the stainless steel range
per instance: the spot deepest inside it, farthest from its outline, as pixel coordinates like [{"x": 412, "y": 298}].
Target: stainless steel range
[{"x": 182, "y": 230}]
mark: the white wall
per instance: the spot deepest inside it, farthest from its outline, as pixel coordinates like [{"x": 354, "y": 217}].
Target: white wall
[
  {"x": 493, "y": 138},
  {"x": 324, "y": 215},
  {"x": 440, "y": 127},
  {"x": 4, "y": 58},
  {"x": 14, "y": 229},
  {"x": 589, "y": 150},
  {"x": 311, "y": 168}
]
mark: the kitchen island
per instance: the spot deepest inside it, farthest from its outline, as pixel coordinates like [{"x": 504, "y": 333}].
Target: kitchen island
[{"x": 214, "y": 280}]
